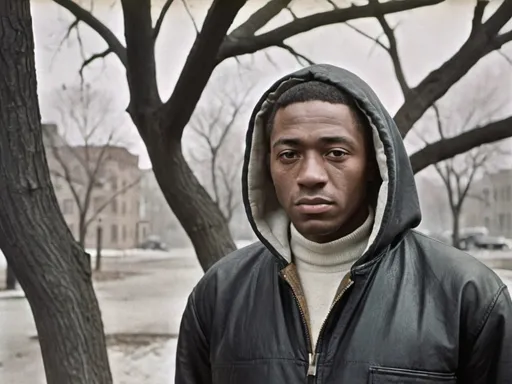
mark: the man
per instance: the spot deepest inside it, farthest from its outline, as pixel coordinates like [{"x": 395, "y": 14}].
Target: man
[{"x": 340, "y": 289}]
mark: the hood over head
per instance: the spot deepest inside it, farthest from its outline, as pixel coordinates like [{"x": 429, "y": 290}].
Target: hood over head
[{"x": 397, "y": 207}]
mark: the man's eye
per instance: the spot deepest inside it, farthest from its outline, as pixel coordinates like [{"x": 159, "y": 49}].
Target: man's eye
[
  {"x": 288, "y": 155},
  {"x": 337, "y": 153}
]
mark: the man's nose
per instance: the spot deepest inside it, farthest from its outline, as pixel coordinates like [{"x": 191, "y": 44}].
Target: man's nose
[{"x": 312, "y": 172}]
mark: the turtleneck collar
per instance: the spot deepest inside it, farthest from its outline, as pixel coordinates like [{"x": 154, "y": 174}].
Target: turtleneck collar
[{"x": 334, "y": 256}]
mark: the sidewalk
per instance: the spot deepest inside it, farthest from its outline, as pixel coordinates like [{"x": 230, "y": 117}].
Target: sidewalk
[{"x": 142, "y": 300}]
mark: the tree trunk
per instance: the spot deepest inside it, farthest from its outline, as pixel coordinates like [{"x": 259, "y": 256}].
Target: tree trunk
[
  {"x": 201, "y": 218},
  {"x": 456, "y": 228},
  {"x": 99, "y": 236},
  {"x": 52, "y": 269},
  {"x": 10, "y": 279},
  {"x": 82, "y": 232}
]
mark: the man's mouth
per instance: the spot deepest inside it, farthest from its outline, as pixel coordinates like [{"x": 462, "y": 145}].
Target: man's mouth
[{"x": 314, "y": 205}]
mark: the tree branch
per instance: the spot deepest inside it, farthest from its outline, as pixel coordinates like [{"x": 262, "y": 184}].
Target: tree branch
[
  {"x": 141, "y": 65},
  {"x": 161, "y": 18},
  {"x": 72, "y": 26},
  {"x": 508, "y": 59},
  {"x": 501, "y": 40},
  {"x": 189, "y": 13},
  {"x": 298, "y": 56},
  {"x": 230, "y": 202},
  {"x": 393, "y": 49},
  {"x": 478, "y": 15},
  {"x": 363, "y": 33},
  {"x": 448, "y": 148},
  {"x": 110, "y": 199},
  {"x": 439, "y": 122},
  {"x": 96, "y": 56},
  {"x": 259, "y": 19},
  {"x": 100, "y": 28},
  {"x": 198, "y": 68},
  {"x": 248, "y": 43},
  {"x": 439, "y": 81},
  {"x": 67, "y": 177}
]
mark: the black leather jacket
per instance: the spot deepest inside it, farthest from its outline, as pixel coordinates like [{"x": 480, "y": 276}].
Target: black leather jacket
[{"x": 412, "y": 310}]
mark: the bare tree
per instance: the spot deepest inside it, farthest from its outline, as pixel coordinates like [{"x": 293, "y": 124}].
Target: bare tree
[
  {"x": 215, "y": 124},
  {"x": 465, "y": 108},
  {"x": 85, "y": 167},
  {"x": 52, "y": 269},
  {"x": 484, "y": 38},
  {"x": 161, "y": 122}
]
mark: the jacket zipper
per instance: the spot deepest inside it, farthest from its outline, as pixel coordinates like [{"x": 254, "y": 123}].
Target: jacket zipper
[
  {"x": 312, "y": 368},
  {"x": 313, "y": 355}
]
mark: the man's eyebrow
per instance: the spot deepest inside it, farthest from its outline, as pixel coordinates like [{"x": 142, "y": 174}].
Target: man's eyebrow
[
  {"x": 294, "y": 142},
  {"x": 288, "y": 141},
  {"x": 338, "y": 140}
]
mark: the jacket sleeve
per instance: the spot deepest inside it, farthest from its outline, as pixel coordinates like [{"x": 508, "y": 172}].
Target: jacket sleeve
[
  {"x": 490, "y": 359},
  {"x": 192, "y": 355}
]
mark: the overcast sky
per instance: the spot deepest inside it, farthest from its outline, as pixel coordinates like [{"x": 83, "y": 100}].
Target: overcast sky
[{"x": 426, "y": 37}]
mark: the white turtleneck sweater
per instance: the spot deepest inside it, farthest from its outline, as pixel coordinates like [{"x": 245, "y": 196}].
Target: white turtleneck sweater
[{"x": 321, "y": 268}]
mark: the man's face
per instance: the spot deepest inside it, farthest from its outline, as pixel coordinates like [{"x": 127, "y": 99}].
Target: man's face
[{"x": 318, "y": 164}]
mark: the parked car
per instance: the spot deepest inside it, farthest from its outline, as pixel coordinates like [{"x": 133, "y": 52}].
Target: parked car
[
  {"x": 492, "y": 242},
  {"x": 155, "y": 245}
]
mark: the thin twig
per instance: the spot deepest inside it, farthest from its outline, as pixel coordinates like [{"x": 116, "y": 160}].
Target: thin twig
[
  {"x": 191, "y": 16},
  {"x": 296, "y": 54},
  {"x": 100, "y": 55},
  {"x": 502, "y": 54},
  {"x": 363, "y": 33}
]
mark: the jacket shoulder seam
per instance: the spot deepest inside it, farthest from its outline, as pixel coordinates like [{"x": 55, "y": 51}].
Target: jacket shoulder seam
[{"x": 488, "y": 312}]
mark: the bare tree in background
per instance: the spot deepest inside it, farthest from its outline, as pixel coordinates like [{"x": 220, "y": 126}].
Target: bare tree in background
[
  {"x": 454, "y": 115},
  {"x": 161, "y": 122},
  {"x": 54, "y": 272},
  {"x": 215, "y": 125},
  {"x": 88, "y": 118}
]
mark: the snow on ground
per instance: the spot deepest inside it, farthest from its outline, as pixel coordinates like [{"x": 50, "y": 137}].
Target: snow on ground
[{"x": 141, "y": 253}]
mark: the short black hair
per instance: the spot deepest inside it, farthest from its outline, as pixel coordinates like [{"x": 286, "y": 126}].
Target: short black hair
[{"x": 315, "y": 91}]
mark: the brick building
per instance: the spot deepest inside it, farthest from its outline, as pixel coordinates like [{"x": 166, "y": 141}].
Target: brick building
[{"x": 112, "y": 175}]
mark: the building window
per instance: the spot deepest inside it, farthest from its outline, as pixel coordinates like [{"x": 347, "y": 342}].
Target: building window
[
  {"x": 509, "y": 193},
  {"x": 123, "y": 209},
  {"x": 114, "y": 206},
  {"x": 486, "y": 197},
  {"x": 97, "y": 202},
  {"x": 495, "y": 194},
  {"x": 124, "y": 233},
  {"x": 67, "y": 208},
  {"x": 113, "y": 233},
  {"x": 487, "y": 222},
  {"x": 501, "y": 219}
]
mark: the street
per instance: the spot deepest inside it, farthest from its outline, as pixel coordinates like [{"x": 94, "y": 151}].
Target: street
[{"x": 142, "y": 299}]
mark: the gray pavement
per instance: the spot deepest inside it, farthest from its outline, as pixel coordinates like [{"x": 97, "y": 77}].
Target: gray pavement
[
  {"x": 141, "y": 312},
  {"x": 142, "y": 299}
]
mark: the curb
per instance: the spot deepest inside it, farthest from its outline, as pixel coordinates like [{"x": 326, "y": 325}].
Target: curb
[{"x": 12, "y": 294}]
